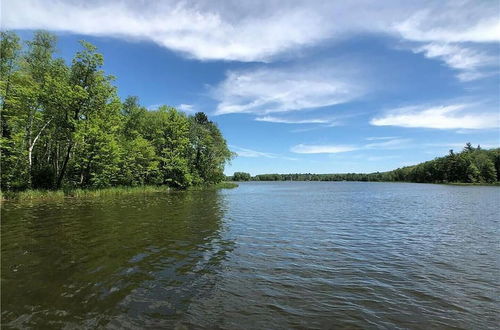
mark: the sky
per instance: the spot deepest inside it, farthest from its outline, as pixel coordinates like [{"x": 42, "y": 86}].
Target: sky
[{"x": 300, "y": 86}]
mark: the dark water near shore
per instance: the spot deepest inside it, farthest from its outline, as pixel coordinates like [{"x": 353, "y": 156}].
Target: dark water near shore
[{"x": 264, "y": 255}]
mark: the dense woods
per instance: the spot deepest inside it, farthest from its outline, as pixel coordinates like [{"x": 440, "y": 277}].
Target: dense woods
[
  {"x": 472, "y": 165},
  {"x": 64, "y": 126}
]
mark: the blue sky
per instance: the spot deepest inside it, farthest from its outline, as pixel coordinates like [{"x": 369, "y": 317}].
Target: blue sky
[{"x": 300, "y": 86}]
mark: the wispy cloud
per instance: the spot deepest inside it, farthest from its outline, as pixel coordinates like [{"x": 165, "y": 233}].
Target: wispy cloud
[
  {"x": 257, "y": 30},
  {"x": 471, "y": 63},
  {"x": 376, "y": 138},
  {"x": 246, "y": 31},
  {"x": 452, "y": 21},
  {"x": 333, "y": 149},
  {"x": 186, "y": 107},
  {"x": 273, "y": 119},
  {"x": 390, "y": 144},
  {"x": 454, "y": 116},
  {"x": 265, "y": 30},
  {"x": 321, "y": 149},
  {"x": 245, "y": 152},
  {"x": 264, "y": 91}
]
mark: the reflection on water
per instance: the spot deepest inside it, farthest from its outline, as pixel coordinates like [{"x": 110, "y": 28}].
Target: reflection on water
[
  {"x": 134, "y": 260},
  {"x": 264, "y": 255}
]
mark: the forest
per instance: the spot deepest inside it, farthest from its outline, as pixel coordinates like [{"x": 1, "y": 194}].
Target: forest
[
  {"x": 63, "y": 126},
  {"x": 471, "y": 165}
]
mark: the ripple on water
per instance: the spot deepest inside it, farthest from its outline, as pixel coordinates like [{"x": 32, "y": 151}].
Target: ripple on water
[{"x": 264, "y": 255}]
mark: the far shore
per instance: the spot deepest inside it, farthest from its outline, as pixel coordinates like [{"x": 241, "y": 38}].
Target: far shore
[{"x": 443, "y": 183}]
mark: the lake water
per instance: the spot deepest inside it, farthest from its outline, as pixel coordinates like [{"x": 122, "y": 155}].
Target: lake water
[{"x": 264, "y": 255}]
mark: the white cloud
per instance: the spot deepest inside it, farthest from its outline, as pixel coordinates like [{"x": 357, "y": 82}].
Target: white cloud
[
  {"x": 455, "y": 116},
  {"x": 246, "y": 31},
  {"x": 468, "y": 61},
  {"x": 376, "y": 138},
  {"x": 452, "y": 31},
  {"x": 186, "y": 107},
  {"x": 455, "y": 56},
  {"x": 265, "y": 91},
  {"x": 321, "y": 149},
  {"x": 333, "y": 149},
  {"x": 272, "y": 119},
  {"x": 453, "y": 21},
  {"x": 245, "y": 152},
  {"x": 257, "y": 30},
  {"x": 391, "y": 144}
]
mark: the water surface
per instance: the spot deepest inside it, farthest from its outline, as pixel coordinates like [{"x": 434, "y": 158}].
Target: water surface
[{"x": 264, "y": 255}]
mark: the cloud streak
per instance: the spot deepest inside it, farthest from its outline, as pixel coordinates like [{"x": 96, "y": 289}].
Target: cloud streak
[
  {"x": 272, "y": 119},
  {"x": 454, "y": 116},
  {"x": 334, "y": 149},
  {"x": 322, "y": 149},
  {"x": 271, "y": 90},
  {"x": 472, "y": 64},
  {"x": 188, "y": 108},
  {"x": 249, "y": 153}
]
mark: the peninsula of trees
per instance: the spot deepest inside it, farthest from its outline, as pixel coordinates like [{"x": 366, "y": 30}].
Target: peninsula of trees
[
  {"x": 472, "y": 165},
  {"x": 64, "y": 126}
]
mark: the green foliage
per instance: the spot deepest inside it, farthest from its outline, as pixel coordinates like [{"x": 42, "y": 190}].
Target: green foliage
[
  {"x": 64, "y": 126},
  {"x": 208, "y": 150},
  {"x": 472, "y": 165},
  {"x": 473, "y": 174},
  {"x": 241, "y": 176}
]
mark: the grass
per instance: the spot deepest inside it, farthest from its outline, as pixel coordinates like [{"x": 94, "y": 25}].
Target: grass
[
  {"x": 226, "y": 185},
  {"x": 474, "y": 183},
  {"x": 54, "y": 195},
  {"x": 220, "y": 185},
  {"x": 28, "y": 195},
  {"x": 51, "y": 195}
]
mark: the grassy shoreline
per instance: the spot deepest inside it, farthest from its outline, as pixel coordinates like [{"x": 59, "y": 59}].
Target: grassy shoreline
[
  {"x": 50, "y": 195},
  {"x": 472, "y": 184}
]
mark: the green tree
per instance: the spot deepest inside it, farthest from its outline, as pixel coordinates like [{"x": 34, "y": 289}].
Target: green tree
[
  {"x": 209, "y": 151},
  {"x": 473, "y": 174},
  {"x": 241, "y": 176},
  {"x": 168, "y": 131},
  {"x": 91, "y": 93},
  {"x": 11, "y": 141},
  {"x": 486, "y": 168}
]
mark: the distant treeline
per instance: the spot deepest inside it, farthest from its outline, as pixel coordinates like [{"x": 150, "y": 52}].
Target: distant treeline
[
  {"x": 472, "y": 165},
  {"x": 64, "y": 126}
]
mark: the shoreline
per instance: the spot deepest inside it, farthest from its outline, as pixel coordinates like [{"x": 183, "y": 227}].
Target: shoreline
[
  {"x": 52, "y": 195},
  {"x": 441, "y": 183}
]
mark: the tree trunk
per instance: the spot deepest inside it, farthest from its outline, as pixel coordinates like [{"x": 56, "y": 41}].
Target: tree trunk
[
  {"x": 64, "y": 165},
  {"x": 30, "y": 151}
]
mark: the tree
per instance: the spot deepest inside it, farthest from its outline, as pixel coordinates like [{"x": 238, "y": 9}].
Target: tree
[
  {"x": 65, "y": 126},
  {"x": 241, "y": 176},
  {"x": 486, "y": 168},
  {"x": 11, "y": 151},
  {"x": 209, "y": 151},
  {"x": 168, "y": 131},
  {"x": 91, "y": 92},
  {"x": 473, "y": 174}
]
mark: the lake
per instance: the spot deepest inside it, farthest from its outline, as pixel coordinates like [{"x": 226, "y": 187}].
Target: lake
[{"x": 264, "y": 255}]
